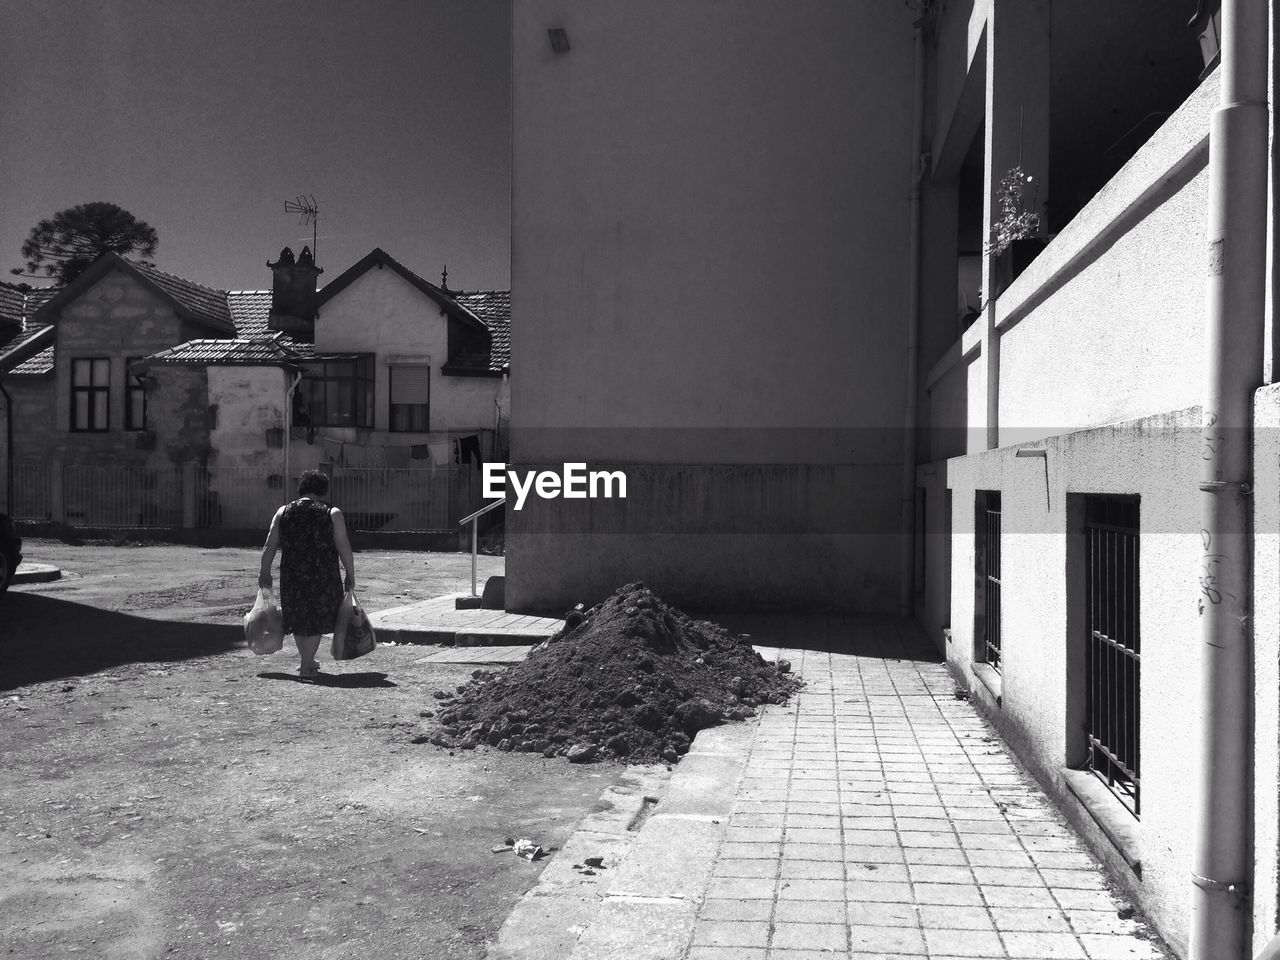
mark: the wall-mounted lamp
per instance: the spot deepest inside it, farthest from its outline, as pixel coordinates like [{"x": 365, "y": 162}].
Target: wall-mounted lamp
[{"x": 559, "y": 39}]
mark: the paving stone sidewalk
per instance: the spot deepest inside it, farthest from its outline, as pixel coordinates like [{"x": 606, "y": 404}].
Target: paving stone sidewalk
[
  {"x": 438, "y": 621},
  {"x": 875, "y": 816}
]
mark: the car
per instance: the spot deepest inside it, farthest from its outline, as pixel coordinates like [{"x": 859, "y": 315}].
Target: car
[{"x": 10, "y": 551}]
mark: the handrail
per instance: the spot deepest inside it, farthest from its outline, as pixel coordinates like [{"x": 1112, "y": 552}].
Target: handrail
[
  {"x": 474, "y": 520},
  {"x": 482, "y": 511}
]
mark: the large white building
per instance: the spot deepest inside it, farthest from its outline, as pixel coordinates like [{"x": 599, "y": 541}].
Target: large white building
[{"x": 753, "y": 265}]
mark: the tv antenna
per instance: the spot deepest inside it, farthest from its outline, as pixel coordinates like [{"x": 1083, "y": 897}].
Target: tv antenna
[{"x": 308, "y": 210}]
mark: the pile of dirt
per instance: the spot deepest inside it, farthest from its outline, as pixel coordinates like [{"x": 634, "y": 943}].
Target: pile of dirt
[{"x": 632, "y": 678}]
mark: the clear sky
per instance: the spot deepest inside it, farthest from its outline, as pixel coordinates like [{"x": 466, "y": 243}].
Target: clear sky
[{"x": 202, "y": 117}]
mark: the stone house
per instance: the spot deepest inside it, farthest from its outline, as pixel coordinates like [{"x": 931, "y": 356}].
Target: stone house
[
  {"x": 379, "y": 370},
  {"x": 139, "y": 398},
  {"x": 75, "y": 404}
]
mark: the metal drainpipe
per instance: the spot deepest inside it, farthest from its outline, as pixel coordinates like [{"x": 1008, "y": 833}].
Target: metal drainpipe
[
  {"x": 1233, "y": 357},
  {"x": 8, "y": 450},
  {"x": 906, "y": 587}
]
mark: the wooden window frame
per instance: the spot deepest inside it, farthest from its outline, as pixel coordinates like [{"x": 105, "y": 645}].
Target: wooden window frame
[{"x": 97, "y": 394}]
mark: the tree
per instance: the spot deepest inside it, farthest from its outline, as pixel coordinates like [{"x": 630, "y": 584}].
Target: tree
[{"x": 63, "y": 246}]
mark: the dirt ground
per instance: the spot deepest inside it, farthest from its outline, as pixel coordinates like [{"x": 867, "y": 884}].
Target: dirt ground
[{"x": 169, "y": 795}]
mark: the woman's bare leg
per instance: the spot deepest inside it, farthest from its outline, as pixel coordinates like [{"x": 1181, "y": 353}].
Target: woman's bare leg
[{"x": 307, "y": 647}]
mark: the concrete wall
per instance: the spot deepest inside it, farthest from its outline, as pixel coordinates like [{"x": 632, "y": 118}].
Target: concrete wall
[
  {"x": 1107, "y": 324},
  {"x": 705, "y": 537},
  {"x": 1041, "y": 675},
  {"x": 382, "y": 313},
  {"x": 708, "y": 269},
  {"x": 1266, "y": 664},
  {"x": 934, "y": 536},
  {"x": 250, "y": 402}
]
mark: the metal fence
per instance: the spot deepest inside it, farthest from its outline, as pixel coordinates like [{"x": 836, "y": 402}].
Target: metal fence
[
  {"x": 121, "y": 497},
  {"x": 31, "y": 500},
  {"x": 427, "y": 499},
  {"x": 1114, "y": 658}
]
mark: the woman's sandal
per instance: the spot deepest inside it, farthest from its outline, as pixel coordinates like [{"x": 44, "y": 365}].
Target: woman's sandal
[{"x": 312, "y": 673}]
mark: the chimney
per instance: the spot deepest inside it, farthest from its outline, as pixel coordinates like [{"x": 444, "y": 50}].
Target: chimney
[{"x": 293, "y": 293}]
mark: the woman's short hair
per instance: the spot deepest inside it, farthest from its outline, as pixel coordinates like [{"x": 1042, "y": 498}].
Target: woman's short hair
[{"x": 313, "y": 482}]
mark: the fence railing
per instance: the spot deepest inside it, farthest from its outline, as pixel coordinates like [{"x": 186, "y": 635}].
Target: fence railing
[{"x": 194, "y": 497}]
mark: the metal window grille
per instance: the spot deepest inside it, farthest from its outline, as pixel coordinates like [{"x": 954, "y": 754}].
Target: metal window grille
[
  {"x": 988, "y": 557},
  {"x": 1114, "y": 650}
]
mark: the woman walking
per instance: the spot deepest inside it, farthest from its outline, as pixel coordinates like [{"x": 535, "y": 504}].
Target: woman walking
[{"x": 312, "y": 539}]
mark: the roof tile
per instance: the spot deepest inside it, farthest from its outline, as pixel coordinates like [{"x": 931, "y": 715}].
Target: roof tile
[
  {"x": 249, "y": 311},
  {"x": 204, "y": 302},
  {"x": 494, "y": 308},
  {"x": 37, "y": 365},
  {"x": 258, "y": 350}
]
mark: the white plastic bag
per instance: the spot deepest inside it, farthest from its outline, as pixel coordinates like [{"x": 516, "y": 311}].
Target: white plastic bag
[{"x": 264, "y": 625}]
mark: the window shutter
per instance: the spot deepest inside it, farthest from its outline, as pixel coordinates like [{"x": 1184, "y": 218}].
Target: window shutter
[{"x": 410, "y": 384}]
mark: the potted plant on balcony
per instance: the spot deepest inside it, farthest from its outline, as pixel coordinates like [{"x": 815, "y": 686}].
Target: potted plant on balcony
[{"x": 1015, "y": 233}]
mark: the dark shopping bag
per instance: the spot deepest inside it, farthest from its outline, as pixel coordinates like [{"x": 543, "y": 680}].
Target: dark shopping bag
[{"x": 353, "y": 633}]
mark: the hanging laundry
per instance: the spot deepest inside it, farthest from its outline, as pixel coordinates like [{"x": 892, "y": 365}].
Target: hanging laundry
[
  {"x": 469, "y": 449},
  {"x": 441, "y": 452}
]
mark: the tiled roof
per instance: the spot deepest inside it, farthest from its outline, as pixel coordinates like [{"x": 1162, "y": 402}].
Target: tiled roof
[
  {"x": 251, "y": 352},
  {"x": 203, "y": 302},
  {"x": 12, "y": 301},
  {"x": 493, "y": 307},
  {"x": 17, "y": 337},
  {"x": 37, "y": 365},
  {"x": 18, "y": 302},
  {"x": 11, "y": 338},
  {"x": 249, "y": 309}
]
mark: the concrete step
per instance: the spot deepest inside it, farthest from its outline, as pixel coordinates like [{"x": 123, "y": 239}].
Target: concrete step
[{"x": 29, "y": 571}]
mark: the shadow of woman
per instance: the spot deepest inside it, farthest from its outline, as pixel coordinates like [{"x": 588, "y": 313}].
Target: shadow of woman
[{"x": 343, "y": 681}]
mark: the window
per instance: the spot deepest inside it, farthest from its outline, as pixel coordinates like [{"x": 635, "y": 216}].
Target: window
[
  {"x": 90, "y": 392},
  {"x": 335, "y": 393},
  {"x": 1113, "y": 656},
  {"x": 986, "y": 633},
  {"x": 410, "y": 398},
  {"x": 135, "y": 399}
]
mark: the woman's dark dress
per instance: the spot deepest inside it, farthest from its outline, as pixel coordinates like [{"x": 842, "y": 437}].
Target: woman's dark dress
[{"x": 310, "y": 582}]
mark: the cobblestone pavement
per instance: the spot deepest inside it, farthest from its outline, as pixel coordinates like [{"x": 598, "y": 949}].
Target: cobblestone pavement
[
  {"x": 877, "y": 815},
  {"x": 882, "y": 790}
]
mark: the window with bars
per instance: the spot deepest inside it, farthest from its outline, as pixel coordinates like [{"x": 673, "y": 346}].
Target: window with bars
[
  {"x": 135, "y": 398},
  {"x": 90, "y": 394},
  {"x": 410, "y": 392},
  {"x": 335, "y": 393},
  {"x": 1113, "y": 640},
  {"x": 986, "y": 634}
]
